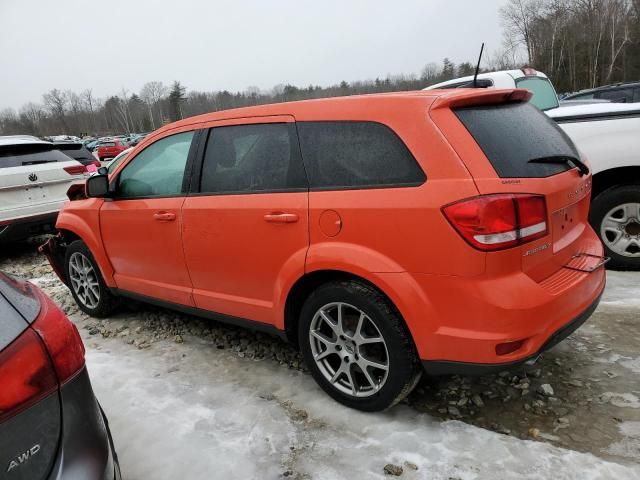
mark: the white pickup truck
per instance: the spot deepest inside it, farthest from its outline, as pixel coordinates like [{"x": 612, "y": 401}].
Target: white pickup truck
[{"x": 608, "y": 135}]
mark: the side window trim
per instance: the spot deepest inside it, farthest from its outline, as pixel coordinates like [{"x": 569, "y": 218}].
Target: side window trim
[
  {"x": 186, "y": 180},
  {"x": 196, "y": 177}
]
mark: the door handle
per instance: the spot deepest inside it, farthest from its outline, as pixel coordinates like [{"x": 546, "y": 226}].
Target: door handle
[
  {"x": 164, "y": 216},
  {"x": 279, "y": 217}
]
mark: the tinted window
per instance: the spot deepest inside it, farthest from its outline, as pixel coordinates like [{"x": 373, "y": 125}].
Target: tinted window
[
  {"x": 76, "y": 151},
  {"x": 513, "y": 135},
  {"x": 30, "y": 154},
  {"x": 252, "y": 158},
  {"x": 544, "y": 95},
  {"x": 158, "y": 170},
  {"x": 356, "y": 154},
  {"x": 619, "y": 95}
]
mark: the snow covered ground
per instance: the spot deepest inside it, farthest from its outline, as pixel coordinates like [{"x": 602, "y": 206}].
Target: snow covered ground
[
  {"x": 192, "y": 399},
  {"x": 209, "y": 414}
]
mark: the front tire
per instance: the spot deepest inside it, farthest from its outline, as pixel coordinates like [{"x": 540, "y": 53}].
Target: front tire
[
  {"x": 85, "y": 281},
  {"x": 615, "y": 216},
  {"x": 357, "y": 347}
]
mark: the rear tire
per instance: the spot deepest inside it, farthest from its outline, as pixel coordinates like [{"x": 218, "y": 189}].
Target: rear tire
[
  {"x": 85, "y": 281},
  {"x": 357, "y": 347},
  {"x": 615, "y": 216}
]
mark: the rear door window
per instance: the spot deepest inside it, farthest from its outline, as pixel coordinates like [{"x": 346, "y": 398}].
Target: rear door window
[
  {"x": 30, "y": 154},
  {"x": 252, "y": 158},
  {"x": 518, "y": 139},
  {"x": 356, "y": 155}
]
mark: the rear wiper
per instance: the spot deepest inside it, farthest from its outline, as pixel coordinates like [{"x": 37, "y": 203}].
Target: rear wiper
[{"x": 576, "y": 162}]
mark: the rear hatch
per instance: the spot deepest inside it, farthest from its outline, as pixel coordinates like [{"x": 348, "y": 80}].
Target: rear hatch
[
  {"x": 519, "y": 150},
  {"x": 34, "y": 179},
  {"x": 30, "y": 418}
]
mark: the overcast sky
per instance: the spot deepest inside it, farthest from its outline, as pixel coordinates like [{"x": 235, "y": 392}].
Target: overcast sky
[{"x": 229, "y": 44}]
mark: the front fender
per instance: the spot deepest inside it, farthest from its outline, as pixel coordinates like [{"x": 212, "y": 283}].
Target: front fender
[{"x": 84, "y": 222}]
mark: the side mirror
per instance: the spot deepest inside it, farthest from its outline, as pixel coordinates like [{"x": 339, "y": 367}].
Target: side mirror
[
  {"x": 97, "y": 186},
  {"x": 103, "y": 171}
]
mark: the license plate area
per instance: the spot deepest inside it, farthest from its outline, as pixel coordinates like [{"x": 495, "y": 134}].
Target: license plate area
[
  {"x": 567, "y": 225},
  {"x": 586, "y": 262}
]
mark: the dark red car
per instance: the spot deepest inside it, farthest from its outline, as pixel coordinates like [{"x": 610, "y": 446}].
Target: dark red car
[{"x": 110, "y": 148}]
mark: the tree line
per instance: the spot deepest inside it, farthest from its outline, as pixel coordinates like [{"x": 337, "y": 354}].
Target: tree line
[
  {"x": 73, "y": 113},
  {"x": 578, "y": 43}
]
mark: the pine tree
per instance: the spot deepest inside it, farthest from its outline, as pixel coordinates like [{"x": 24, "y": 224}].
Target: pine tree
[{"x": 176, "y": 98}]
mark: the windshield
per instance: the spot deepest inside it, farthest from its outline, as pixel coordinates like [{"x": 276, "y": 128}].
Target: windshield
[{"x": 544, "y": 95}]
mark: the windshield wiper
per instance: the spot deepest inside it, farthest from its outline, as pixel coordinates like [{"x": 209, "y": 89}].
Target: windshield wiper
[{"x": 576, "y": 162}]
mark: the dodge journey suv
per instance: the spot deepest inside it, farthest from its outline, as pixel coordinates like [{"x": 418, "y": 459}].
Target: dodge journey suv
[{"x": 385, "y": 235}]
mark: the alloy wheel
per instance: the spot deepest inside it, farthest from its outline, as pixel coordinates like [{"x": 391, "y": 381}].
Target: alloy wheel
[
  {"x": 84, "y": 280},
  {"x": 349, "y": 349},
  {"x": 620, "y": 229}
]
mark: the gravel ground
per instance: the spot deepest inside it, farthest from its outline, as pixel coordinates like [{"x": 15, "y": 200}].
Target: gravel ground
[{"x": 583, "y": 395}]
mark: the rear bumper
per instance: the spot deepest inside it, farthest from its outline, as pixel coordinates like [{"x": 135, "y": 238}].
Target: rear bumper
[
  {"x": 86, "y": 449},
  {"x": 439, "y": 367},
  {"x": 23, "y": 228}
]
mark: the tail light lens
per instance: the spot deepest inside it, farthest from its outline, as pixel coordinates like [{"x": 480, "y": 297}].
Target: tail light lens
[
  {"x": 75, "y": 169},
  {"x": 62, "y": 340},
  {"x": 496, "y": 222},
  {"x": 41, "y": 358},
  {"x": 27, "y": 374}
]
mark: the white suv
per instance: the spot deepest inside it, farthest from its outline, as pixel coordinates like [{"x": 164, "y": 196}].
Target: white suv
[{"x": 34, "y": 179}]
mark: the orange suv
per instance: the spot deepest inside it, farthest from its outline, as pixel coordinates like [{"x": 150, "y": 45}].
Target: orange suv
[{"x": 384, "y": 235}]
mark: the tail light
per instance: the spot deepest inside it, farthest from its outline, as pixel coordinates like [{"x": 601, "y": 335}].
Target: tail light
[
  {"x": 75, "y": 169},
  {"x": 496, "y": 222},
  {"x": 62, "y": 340},
  {"x": 40, "y": 359}
]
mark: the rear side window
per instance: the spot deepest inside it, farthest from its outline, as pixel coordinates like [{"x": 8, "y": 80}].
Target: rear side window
[
  {"x": 517, "y": 139},
  {"x": 356, "y": 155},
  {"x": 157, "y": 171},
  {"x": 544, "y": 95},
  {"x": 252, "y": 158},
  {"x": 619, "y": 95},
  {"x": 30, "y": 154}
]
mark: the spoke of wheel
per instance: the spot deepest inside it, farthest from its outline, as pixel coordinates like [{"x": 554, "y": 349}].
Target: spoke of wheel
[
  {"x": 370, "y": 363},
  {"x": 631, "y": 211},
  {"x": 352, "y": 383},
  {"x": 320, "y": 336},
  {"x": 337, "y": 373},
  {"x": 366, "y": 374},
  {"x": 319, "y": 356}
]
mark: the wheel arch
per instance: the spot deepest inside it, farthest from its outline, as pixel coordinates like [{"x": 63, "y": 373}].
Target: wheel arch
[
  {"x": 614, "y": 177},
  {"x": 388, "y": 285},
  {"x": 73, "y": 228}
]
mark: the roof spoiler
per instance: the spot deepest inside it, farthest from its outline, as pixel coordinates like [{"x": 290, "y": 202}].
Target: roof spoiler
[{"x": 477, "y": 97}]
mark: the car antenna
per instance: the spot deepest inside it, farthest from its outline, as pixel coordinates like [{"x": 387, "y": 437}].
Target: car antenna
[{"x": 475, "y": 77}]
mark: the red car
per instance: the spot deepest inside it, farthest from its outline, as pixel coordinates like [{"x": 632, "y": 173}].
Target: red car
[{"x": 110, "y": 148}]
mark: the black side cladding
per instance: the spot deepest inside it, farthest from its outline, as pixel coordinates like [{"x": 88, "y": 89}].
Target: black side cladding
[{"x": 511, "y": 135}]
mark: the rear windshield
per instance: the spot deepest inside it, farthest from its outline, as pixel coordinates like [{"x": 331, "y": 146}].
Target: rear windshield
[
  {"x": 76, "y": 151},
  {"x": 30, "y": 154},
  {"x": 518, "y": 139},
  {"x": 544, "y": 95}
]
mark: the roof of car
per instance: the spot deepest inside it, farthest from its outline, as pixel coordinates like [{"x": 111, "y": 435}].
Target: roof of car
[
  {"x": 21, "y": 140},
  {"x": 604, "y": 87},
  {"x": 302, "y": 108},
  {"x": 507, "y": 74}
]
